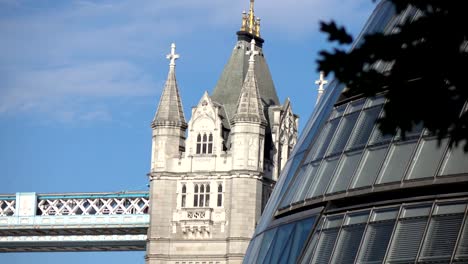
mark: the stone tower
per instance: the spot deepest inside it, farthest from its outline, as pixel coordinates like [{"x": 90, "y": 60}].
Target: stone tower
[{"x": 210, "y": 179}]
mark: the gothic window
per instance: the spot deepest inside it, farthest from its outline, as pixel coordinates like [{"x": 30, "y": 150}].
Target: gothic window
[
  {"x": 183, "y": 196},
  {"x": 201, "y": 195},
  {"x": 220, "y": 195},
  {"x": 204, "y": 144},
  {"x": 198, "y": 144}
]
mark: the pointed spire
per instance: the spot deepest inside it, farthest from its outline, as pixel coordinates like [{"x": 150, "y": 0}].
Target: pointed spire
[
  {"x": 320, "y": 82},
  {"x": 249, "y": 106},
  {"x": 170, "y": 110}
]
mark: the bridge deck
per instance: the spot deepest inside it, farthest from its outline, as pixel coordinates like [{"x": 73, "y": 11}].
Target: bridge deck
[{"x": 73, "y": 222}]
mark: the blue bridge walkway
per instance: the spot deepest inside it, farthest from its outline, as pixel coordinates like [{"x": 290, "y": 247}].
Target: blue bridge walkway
[{"x": 31, "y": 222}]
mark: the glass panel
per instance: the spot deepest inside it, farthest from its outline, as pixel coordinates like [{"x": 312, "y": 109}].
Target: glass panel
[
  {"x": 380, "y": 99},
  {"x": 385, "y": 214},
  {"x": 397, "y": 160},
  {"x": 210, "y": 148},
  {"x": 441, "y": 237},
  {"x": 348, "y": 244},
  {"x": 376, "y": 241},
  {"x": 310, "y": 249},
  {"x": 297, "y": 182},
  {"x": 364, "y": 127},
  {"x": 369, "y": 167},
  {"x": 302, "y": 232},
  {"x": 281, "y": 239},
  {"x": 342, "y": 135},
  {"x": 407, "y": 238},
  {"x": 456, "y": 161},
  {"x": 323, "y": 177},
  {"x": 195, "y": 200},
  {"x": 309, "y": 176},
  {"x": 427, "y": 159},
  {"x": 356, "y": 218},
  {"x": 462, "y": 249},
  {"x": 345, "y": 171},
  {"x": 252, "y": 250},
  {"x": 379, "y": 138},
  {"x": 449, "y": 208},
  {"x": 325, "y": 246},
  {"x": 416, "y": 211},
  {"x": 220, "y": 188},
  {"x": 321, "y": 145},
  {"x": 338, "y": 111},
  {"x": 355, "y": 106},
  {"x": 266, "y": 243}
]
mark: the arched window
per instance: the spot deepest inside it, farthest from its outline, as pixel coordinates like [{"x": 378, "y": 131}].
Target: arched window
[
  {"x": 183, "y": 196},
  {"x": 210, "y": 143},
  {"x": 195, "y": 196},
  {"x": 201, "y": 196},
  {"x": 199, "y": 144},
  {"x": 220, "y": 195},
  {"x": 204, "y": 144}
]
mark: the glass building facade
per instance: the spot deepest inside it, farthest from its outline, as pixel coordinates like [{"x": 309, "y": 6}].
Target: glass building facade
[{"x": 350, "y": 194}]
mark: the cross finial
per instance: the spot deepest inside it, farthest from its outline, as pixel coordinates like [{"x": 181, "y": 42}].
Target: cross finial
[
  {"x": 252, "y": 52},
  {"x": 172, "y": 56},
  {"x": 320, "y": 82}
]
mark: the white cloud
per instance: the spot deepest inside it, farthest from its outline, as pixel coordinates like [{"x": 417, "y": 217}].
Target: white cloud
[{"x": 50, "y": 55}]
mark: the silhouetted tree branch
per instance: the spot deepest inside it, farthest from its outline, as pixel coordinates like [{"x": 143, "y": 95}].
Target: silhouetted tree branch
[{"x": 422, "y": 65}]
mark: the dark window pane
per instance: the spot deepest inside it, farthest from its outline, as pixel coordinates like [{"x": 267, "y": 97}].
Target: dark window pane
[
  {"x": 196, "y": 188},
  {"x": 407, "y": 238},
  {"x": 345, "y": 171},
  {"x": 210, "y": 148},
  {"x": 207, "y": 200},
  {"x": 199, "y": 138},
  {"x": 348, "y": 244},
  {"x": 462, "y": 249},
  {"x": 396, "y": 162},
  {"x": 427, "y": 159},
  {"x": 376, "y": 242},
  {"x": 183, "y": 200},
  {"x": 207, "y": 188},
  {"x": 198, "y": 148},
  {"x": 323, "y": 177},
  {"x": 325, "y": 246},
  {"x": 195, "y": 200},
  {"x": 204, "y": 148},
  {"x": 455, "y": 161},
  {"x": 202, "y": 188},
  {"x": 220, "y": 200},
  {"x": 220, "y": 188},
  {"x": 364, "y": 127},
  {"x": 184, "y": 189},
  {"x": 202, "y": 200},
  {"x": 369, "y": 167},
  {"x": 210, "y": 138},
  {"x": 342, "y": 135},
  {"x": 320, "y": 145},
  {"x": 204, "y": 137},
  {"x": 441, "y": 237}
]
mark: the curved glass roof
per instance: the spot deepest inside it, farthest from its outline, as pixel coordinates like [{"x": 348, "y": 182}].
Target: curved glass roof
[{"x": 371, "y": 197}]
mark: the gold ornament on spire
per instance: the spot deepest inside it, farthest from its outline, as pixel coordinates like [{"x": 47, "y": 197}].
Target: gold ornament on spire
[{"x": 251, "y": 23}]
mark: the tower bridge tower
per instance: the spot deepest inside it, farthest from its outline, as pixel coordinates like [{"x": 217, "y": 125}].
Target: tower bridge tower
[{"x": 211, "y": 177}]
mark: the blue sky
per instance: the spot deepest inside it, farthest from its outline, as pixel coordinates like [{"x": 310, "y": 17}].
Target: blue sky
[{"x": 80, "y": 82}]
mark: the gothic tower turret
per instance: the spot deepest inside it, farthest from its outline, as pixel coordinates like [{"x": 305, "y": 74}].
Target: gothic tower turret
[
  {"x": 249, "y": 122},
  {"x": 169, "y": 122}
]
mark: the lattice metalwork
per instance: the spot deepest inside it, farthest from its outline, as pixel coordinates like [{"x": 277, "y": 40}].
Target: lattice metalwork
[
  {"x": 7, "y": 207},
  {"x": 93, "y": 206}
]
